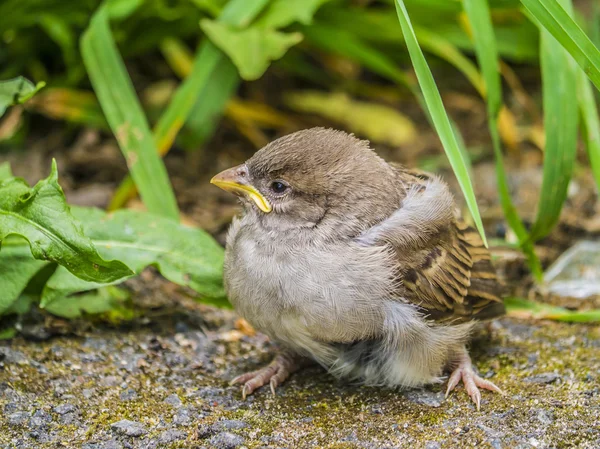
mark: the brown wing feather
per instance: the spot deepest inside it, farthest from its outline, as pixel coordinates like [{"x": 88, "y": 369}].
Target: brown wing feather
[{"x": 453, "y": 280}]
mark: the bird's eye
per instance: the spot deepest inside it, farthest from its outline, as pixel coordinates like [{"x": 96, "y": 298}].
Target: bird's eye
[{"x": 278, "y": 187}]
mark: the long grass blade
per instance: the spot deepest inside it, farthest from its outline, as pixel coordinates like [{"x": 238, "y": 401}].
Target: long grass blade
[
  {"x": 125, "y": 116},
  {"x": 556, "y": 18},
  {"x": 590, "y": 123},
  {"x": 559, "y": 88},
  {"x": 438, "y": 115},
  {"x": 523, "y": 308},
  {"x": 478, "y": 13}
]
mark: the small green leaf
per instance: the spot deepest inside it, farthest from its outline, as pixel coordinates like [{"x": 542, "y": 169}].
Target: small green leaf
[
  {"x": 183, "y": 255},
  {"x": 16, "y": 91},
  {"x": 282, "y": 13},
  {"x": 41, "y": 215},
  {"x": 251, "y": 49}
]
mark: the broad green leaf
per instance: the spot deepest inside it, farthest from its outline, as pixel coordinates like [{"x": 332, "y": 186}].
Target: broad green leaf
[
  {"x": 210, "y": 75},
  {"x": 439, "y": 116},
  {"x": 41, "y": 216},
  {"x": 251, "y": 49},
  {"x": 485, "y": 48},
  {"x": 559, "y": 88},
  {"x": 526, "y": 309},
  {"x": 555, "y": 17},
  {"x": 183, "y": 255},
  {"x": 17, "y": 267},
  {"x": 590, "y": 122},
  {"x": 126, "y": 117},
  {"x": 374, "y": 121},
  {"x": 109, "y": 299},
  {"x": 16, "y": 91},
  {"x": 5, "y": 171},
  {"x": 282, "y": 13}
]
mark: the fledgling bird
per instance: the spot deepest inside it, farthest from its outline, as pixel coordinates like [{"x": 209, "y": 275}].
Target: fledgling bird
[{"x": 358, "y": 264}]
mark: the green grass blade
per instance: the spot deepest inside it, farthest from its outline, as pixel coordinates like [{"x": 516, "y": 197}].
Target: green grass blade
[
  {"x": 484, "y": 41},
  {"x": 559, "y": 88},
  {"x": 523, "y": 308},
  {"x": 125, "y": 116},
  {"x": 209, "y": 68},
  {"x": 590, "y": 123},
  {"x": 438, "y": 115},
  {"x": 557, "y": 20}
]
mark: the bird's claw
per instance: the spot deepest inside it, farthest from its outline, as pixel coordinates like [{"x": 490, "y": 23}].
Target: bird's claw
[
  {"x": 472, "y": 382},
  {"x": 274, "y": 374}
]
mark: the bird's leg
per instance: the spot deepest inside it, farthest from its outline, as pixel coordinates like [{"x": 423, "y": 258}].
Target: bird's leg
[
  {"x": 275, "y": 373},
  {"x": 463, "y": 369}
]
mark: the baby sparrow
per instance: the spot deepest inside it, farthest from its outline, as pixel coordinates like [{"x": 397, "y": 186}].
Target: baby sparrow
[{"x": 358, "y": 264}]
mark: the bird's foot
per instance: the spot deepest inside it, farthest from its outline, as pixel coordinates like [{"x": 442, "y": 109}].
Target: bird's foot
[
  {"x": 471, "y": 380},
  {"x": 275, "y": 373}
]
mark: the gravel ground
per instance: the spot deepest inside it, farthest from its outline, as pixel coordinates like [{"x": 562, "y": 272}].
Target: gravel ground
[{"x": 162, "y": 383}]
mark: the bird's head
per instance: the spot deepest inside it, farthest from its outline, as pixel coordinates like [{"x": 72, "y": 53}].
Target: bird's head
[{"x": 305, "y": 177}]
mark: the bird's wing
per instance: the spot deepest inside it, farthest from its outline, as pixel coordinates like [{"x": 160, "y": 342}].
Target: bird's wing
[{"x": 443, "y": 266}]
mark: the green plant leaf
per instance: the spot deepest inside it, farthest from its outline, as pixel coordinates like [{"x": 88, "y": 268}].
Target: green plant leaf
[
  {"x": 184, "y": 255},
  {"x": 17, "y": 267},
  {"x": 439, "y": 116},
  {"x": 484, "y": 41},
  {"x": 374, "y": 121},
  {"x": 282, "y": 13},
  {"x": 559, "y": 88},
  {"x": 555, "y": 17},
  {"x": 5, "y": 171},
  {"x": 121, "y": 9},
  {"x": 251, "y": 49},
  {"x": 16, "y": 91},
  {"x": 110, "y": 300},
  {"x": 524, "y": 308},
  {"x": 126, "y": 117},
  {"x": 41, "y": 216},
  {"x": 590, "y": 122}
]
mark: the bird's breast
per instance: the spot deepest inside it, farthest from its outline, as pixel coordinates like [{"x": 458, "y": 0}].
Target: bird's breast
[{"x": 301, "y": 290}]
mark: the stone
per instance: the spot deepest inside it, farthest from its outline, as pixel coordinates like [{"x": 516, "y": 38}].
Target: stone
[
  {"x": 226, "y": 440},
  {"x": 173, "y": 400},
  {"x": 18, "y": 418},
  {"x": 544, "y": 378},
  {"x": 171, "y": 436},
  {"x": 63, "y": 409},
  {"x": 129, "y": 428}
]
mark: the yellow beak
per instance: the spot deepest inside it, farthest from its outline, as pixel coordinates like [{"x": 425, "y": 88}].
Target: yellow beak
[{"x": 235, "y": 180}]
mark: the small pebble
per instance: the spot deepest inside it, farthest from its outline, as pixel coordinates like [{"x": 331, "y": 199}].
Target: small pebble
[
  {"x": 226, "y": 440},
  {"x": 129, "y": 428}
]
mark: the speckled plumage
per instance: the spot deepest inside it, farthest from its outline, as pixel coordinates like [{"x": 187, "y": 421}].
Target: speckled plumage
[{"x": 361, "y": 265}]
